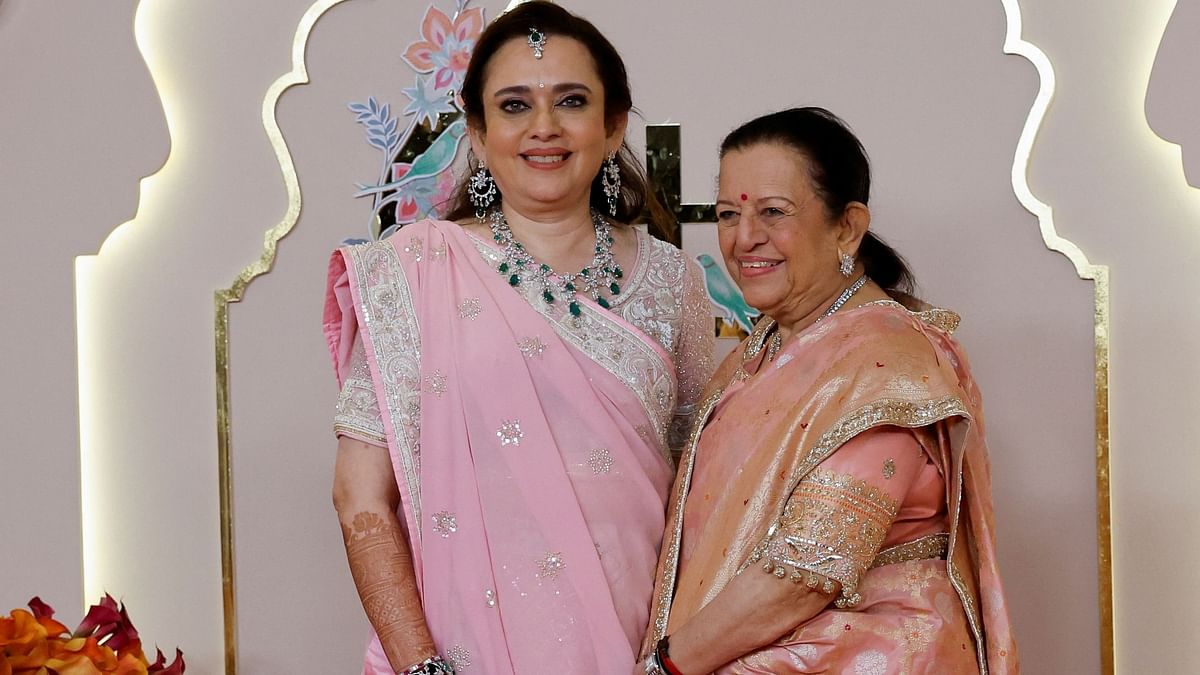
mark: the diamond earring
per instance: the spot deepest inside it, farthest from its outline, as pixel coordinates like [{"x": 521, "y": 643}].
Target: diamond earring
[{"x": 845, "y": 264}]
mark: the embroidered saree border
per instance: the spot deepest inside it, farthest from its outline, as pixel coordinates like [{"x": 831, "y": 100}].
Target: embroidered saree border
[
  {"x": 660, "y": 610},
  {"x": 390, "y": 320},
  {"x": 972, "y": 611},
  {"x": 929, "y": 547},
  {"x": 646, "y": 372},
  {"x": 943, "y": 319},
  {"x": 966, "y": 594}
]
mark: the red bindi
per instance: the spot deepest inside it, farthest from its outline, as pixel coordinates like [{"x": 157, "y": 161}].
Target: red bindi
[{"x": 745, "y": 196}]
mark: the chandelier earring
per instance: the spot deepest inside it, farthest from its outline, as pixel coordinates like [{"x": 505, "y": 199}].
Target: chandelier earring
[
  {"x": 610, "y": 179},
  {"x": 481, "y": 188},
  {"x": 845, "y": 264}
]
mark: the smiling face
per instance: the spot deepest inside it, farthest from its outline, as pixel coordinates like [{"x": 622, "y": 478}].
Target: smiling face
[
  {"x": 779, "y": 242},
  {"x": 544, "y": 135}
]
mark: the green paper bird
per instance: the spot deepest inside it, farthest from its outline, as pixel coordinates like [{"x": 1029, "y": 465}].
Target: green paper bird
[
  {"x": 436, "y": 159},
  {"x": 724, "y": 295}
]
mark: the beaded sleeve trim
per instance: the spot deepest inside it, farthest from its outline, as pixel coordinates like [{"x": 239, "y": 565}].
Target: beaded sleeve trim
[{"x": 832, "y": 525}]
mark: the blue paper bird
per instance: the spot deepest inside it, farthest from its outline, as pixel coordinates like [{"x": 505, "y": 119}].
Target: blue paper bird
[
  {"x": 724, "y": 295},
  {"x": 436, "y": 158}
]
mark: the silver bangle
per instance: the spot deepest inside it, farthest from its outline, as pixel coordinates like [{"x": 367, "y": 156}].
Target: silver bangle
[
  {"x": 434, "y": 665},
  {"x": 653, "y": 666}
]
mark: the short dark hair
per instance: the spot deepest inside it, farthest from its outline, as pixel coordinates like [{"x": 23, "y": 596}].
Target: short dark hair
[
  {"x": 556, "y": 22},
  {"x": 840, "y": 173}
]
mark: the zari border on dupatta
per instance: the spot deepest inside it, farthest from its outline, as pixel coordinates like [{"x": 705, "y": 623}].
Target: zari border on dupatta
[
  {"x": 660, "y": 608},
  {"x": 390, "y": 325},
  {"x": 607, "y": 342},
  {"x": 943, "y": 319}
]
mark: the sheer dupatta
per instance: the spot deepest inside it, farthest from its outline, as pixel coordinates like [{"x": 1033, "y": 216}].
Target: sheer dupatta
[{"x": 527, "y": 446}]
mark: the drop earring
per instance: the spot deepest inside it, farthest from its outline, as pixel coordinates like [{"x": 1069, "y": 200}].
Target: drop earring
[
  {"x": 610, "y": 179},
  {"x": 481, "y": 188}
]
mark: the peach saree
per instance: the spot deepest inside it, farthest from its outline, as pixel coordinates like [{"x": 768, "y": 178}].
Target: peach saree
[{"x": 855, "y": 456}]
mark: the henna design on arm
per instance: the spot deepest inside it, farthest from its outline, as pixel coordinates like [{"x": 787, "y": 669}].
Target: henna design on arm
[{"x": 381, "y": 564}]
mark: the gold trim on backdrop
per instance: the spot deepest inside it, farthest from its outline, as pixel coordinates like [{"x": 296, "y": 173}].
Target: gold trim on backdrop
[
  {"x": 1098, "y": 274},
  {"x": 223, "y": 297},
  {"x": 664, "y": 168},
  {"x": 1014, "y": 44}
]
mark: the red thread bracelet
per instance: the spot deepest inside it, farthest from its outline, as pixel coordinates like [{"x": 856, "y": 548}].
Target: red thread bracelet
[{"x": 664, "y": 658}]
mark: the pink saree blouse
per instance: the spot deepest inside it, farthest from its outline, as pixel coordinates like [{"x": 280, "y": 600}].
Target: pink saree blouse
[
  {"x": 856, "y": 456},
  {"x": 531, "y": 448}
]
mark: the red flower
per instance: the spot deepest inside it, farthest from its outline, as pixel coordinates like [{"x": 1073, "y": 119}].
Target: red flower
[
  {"x": 105, "y": 643},
  {"x": 176, "y": 668},
  {"x": 101, "y": 619}
]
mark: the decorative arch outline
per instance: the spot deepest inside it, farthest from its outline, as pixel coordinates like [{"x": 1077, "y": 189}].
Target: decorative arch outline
[
  {"x": 1016, "y": 45},
  {"x": 1099, "y": 274}
]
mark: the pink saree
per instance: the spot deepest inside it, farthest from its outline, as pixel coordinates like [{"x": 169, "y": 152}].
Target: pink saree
[
  {"x": 856, "y": 456},
  {"x": 529, "y": 448}
]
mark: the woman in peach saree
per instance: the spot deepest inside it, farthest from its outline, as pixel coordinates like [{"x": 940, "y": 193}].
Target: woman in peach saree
[{"x": 833, "y": 510}]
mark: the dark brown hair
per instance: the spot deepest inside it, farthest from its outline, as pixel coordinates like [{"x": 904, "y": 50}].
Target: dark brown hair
[
  {"x": 840, "y": 172},
  {"x": 556, "y": 22}
]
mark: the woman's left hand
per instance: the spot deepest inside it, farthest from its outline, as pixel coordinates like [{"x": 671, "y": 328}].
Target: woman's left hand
[{"x": 754, "y": 609}]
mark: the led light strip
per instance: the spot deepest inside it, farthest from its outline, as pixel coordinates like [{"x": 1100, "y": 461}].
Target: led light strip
[{"x": 96, "y": 495}]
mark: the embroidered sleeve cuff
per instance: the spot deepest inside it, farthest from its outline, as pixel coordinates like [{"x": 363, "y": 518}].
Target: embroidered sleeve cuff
[
  {"x": 831, "y": 529},
  {"x": 364, "y": 435},
  {"x": 357, "y": 413}
]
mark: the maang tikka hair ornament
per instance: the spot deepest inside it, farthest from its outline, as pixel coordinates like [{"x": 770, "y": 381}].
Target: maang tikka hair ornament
[{"x": 537, "y": 42}]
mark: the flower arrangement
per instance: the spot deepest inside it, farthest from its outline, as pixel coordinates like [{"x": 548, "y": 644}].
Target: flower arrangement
[{"x": 34, "y": 643}]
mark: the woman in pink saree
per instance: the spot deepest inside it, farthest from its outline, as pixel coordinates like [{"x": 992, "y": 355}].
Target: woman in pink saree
[
  {"x": 832, "y": 512},
  {"x": 505, "y": 429}
]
